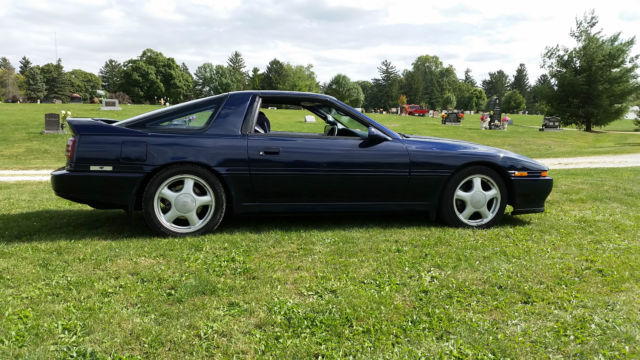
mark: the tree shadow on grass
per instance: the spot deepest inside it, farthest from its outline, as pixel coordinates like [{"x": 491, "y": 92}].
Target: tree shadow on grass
[
  {"x": 56, "y": 225},
  {"x": 113, "y": 225}
]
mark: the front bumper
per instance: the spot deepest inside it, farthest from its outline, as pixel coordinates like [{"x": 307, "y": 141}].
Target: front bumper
[
  {"x": 101, "y": 190},
  {"x": 529, "y": 194}
]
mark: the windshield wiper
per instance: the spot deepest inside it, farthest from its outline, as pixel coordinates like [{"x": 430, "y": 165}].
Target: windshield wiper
[{"x": 403, "y": 135}]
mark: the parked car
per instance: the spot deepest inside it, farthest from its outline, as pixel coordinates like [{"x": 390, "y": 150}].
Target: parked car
[
  {"x": 415, "y": 110},
  {"x": 187, "y": 165}
]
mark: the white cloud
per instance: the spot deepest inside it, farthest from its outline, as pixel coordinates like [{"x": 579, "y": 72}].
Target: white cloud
[{"x": 336, "y": 36}]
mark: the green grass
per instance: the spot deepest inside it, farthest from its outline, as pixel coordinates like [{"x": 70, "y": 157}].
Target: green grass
[
  {"x": 82, "y": 283},
  {"x": 25, "y": 148}
]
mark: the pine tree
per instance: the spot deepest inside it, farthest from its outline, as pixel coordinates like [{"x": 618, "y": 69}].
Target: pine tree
[
  {"x": 595, "y": 80},
  {"x": 236, "y": 66},
  {"x": 35, "y": 87},
  {"x": 25, "y": 64}
]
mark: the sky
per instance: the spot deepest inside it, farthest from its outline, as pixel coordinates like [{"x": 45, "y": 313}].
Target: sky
[{"x": 350, "y": 37}]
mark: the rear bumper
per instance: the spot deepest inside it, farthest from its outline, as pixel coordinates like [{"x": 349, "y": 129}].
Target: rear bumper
[
  {"x": 98, "y": 189},
  {"x": 529, "y": 194}
]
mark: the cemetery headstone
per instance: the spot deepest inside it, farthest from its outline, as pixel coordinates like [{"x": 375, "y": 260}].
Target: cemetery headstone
[
  {"x": 550, "y": 123},
  {"x": 309, "y": 119},
  {"x": 110, "y": 104},
  {"x": 495, "y": 114},
  {"x": 452, "y": 118},
  {"x": 51, "y": 124}
]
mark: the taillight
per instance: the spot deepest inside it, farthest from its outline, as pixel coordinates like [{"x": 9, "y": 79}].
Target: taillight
[{"x": 71, "y": 148}]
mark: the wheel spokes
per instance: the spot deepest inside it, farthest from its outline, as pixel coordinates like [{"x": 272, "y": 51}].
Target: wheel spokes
[
  {"x": 491, "y": 194},
  {"x": 484, "y": 212},
  {"x": 204, "y": 200},
  {"x": 477, "y": 184},
  {"x": 187, "y": 209},
  {"x": 169, "y": 195},
  {"x": 192, "y": 218},
  {"x": 473, "y": 204},
  {"x": 187, "y": 188},
  {"x": 464, "y": 196},
  {"x": 171, "y": 216},
  {"x": 468, "y": 211}
]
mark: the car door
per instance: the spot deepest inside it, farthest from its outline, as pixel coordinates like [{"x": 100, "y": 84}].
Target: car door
[{"x": 314, "y": 169}]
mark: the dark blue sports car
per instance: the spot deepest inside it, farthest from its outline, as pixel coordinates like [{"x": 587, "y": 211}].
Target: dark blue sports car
[{"x": 186, "y": 165}]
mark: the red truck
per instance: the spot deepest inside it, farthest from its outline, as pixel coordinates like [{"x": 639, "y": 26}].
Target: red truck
[{"x": 415, "y": 110}]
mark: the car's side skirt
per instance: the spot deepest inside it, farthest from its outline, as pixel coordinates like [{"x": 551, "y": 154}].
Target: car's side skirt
[{"x": 328, "y": 207}]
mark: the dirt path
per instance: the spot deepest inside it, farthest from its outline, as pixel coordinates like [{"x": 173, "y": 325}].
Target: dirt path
[{"x": 603, "y": 161}]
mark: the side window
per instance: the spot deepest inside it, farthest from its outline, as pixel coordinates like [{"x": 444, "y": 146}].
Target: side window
[
  {"x": 290, "y": 118},
  {"x": 306, "y": 117},
  {"x": 196, "y": 120}
]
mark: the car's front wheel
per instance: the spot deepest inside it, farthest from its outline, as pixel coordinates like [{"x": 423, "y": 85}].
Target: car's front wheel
[
  {"x": 474, "y": 197},
  {"x": 184, "y": 200}
]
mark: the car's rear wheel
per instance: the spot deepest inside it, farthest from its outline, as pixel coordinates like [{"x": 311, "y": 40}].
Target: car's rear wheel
[
  {"x": 184, "y": 200},
  {"x": 474, "y": 197}
]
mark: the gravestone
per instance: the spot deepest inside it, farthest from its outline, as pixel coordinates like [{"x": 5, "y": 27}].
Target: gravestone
[
  {"x": 495, "y": 115},
  {"x": 51, "y": 124},
  {"x": 110, "y": 104},
  {"x": 452, "y": 118},
  {"x": 309, "y": 119},
  {"x": 550, "y": 123}
]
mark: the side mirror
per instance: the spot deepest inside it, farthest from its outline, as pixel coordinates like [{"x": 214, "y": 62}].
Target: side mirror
[{"x": 376, "y": 136}]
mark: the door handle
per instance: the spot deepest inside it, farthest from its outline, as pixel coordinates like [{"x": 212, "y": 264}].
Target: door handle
[{"x": 270, "y": 151}]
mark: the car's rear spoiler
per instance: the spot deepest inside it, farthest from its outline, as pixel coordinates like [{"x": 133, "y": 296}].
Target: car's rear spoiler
[
  {"x": 106, "y": 121},
  {"x": 96, "y": 126}
]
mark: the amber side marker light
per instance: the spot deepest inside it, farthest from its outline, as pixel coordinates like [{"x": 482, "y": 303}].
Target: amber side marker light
[
  {"x": 520, "y": 173},
  {"x": 544, "y": 173}
]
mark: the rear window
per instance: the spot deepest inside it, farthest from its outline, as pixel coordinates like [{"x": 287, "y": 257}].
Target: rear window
[
  {"x": 190, "y": 116},
  {"x": 196, "y": 120}
]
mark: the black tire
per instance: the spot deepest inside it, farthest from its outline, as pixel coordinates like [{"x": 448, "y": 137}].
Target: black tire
[
  {"x": 474, "y": 197},
  {"x": 183, "y": 200}
]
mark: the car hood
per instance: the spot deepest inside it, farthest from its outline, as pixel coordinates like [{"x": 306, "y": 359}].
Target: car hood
[{"x": 506, "y": 158}]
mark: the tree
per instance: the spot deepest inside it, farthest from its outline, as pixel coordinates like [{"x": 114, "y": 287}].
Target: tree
[
  {"x": 255, "y": 79},
  {"x": 212, "y": 80},
  {"x": 469, "y": 97},
  {"x": 593, "y": 81},
  {"x": 189, "y": 77},
  {"x": 34, "y": 84},
  {"x": 388, "y": 85},
  {"x": 366, "y": 87},
  {"x": 56, "y": 81},
  {"x": 428, "y": 80},
  {"x": 343, "y": 89},
  {"x": 512, "y": 102},
  {"x": 276, "y": 76},
  {"x": 468, "y": 79},
  {"x": 152, "y": 76},
  {"x": 111, "y": 75},
  {"x": 141, "y": 82},
  {"x": 84, "y": 83},
  {"x": 25, "y": 64},
  {"x": 301, "y": 78},
  {"x": 402, "y": 100},
  {"x": 448, "y": 101},
  {"x": 520, "y": 82},
  {"x": 496, "y": 84},
  {"x": 541, "y": 92},
  {"x": 5, "y": 64},
  {"x": 236, "y": 66}
]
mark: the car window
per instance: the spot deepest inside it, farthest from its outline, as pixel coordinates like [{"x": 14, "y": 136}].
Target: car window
[
  {"x": 292, "y": 119},
  {"x": 196, "y": 120},
  {"x": 304, "y": 117}
]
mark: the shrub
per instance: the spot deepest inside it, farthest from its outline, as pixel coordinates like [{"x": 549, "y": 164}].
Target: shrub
[{"x": 121, "y": 97}]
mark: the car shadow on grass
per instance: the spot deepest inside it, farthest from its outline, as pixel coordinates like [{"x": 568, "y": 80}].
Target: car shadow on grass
[{"x": 61, "y": 225}]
